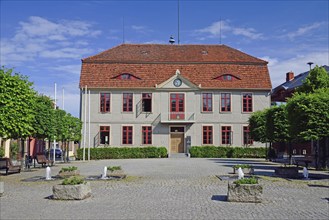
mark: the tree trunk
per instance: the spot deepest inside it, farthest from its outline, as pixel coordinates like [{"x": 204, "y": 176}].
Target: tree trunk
[{"x": 290, "y": 153}]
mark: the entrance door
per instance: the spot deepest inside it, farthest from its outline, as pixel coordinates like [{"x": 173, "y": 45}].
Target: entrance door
[
  {"x": 177, "y": 140},
  {"x": 177, "y": 107}
]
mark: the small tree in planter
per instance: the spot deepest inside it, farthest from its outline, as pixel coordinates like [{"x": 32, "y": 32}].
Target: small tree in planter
[
  {"x": 72, "y": 188},
  {"x": 246, "y": 168},
  {"x": 116, "y": 171},
  {"x": 69, "y": 171},
  {"x": 245, "y": 190}
]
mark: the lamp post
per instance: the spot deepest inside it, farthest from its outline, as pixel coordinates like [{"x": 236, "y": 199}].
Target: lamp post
[{"x": 310, "y": 64}]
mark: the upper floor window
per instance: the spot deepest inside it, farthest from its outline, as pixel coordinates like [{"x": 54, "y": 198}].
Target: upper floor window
[
  {"x": 207, "y": 134},
  {"x": 147, "y": 102},
  {"x": 247, "y": 140},
  {"x": 227, "y": 77},
  {"x": 127, "y": 102},
  {"x": 127, "y": 135},
  {"x": 207, "y": 102},
  {"x": 126, "y": 76},
  {"x": 225, "y": 102},
  {"x": 104, "y": 134},
  {"x": 227, "y": 135},
  {"x": 247, "y": 102},
  {"x": 105, "y": 102},
  {"x": 147, "y": 134}
]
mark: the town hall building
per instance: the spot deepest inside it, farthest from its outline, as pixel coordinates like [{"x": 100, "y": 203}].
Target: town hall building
[{"x": 174, "y": 96}]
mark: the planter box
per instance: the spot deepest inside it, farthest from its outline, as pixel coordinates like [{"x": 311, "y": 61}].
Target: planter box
[
  {"x": 117, "y": 173},
  {"x": 244, "y": 170},
  {"x": 244, "y": 193},
  {"x": 72, "y": 192},
  {"x": 290, "y": 172},
  {"x": 67, "y": 174}
]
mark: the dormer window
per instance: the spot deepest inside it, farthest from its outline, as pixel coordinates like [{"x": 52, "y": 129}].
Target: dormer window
[
  {"x": 126, "y": 76},
  {"x": 227, "y": 77}
]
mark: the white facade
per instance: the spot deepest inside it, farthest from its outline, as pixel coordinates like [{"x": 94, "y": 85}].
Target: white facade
[{"x": 192, "y": 118}]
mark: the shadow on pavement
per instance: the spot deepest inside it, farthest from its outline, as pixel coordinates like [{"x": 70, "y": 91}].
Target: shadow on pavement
[{"x": 222, "y": 198}]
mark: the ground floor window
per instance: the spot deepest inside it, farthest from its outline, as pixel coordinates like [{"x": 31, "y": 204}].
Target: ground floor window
[
  {"x": 247, "y": 140},
  {"x": 127, "y": 135},
  {"x": 207, "y": 134},
  {"x": 147, "y": 134},
  {"x": 226, "y": 135},
  {"x": 104, "y": 134}
]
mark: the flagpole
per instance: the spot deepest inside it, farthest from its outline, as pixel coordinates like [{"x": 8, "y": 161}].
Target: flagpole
[
  {"x": 54, "y": 150},
  {"x": 89, "y": 125},
  {"x": 85, "y": 124}
]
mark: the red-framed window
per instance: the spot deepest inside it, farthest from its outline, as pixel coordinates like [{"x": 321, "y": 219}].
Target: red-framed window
[
  {"x": 207, "y": 102},
  {"x": 247, "y": 140},
  {"x": 225, "y": 102},
  {"x": 247, "y": 102},
  {"x": 127, "y": 102},
  {"x": 105, "y": 101},
  {"x": 177, "y": 106},
  {"x": 147, "y": 134},
  {"x": 227, "y": 135},
  {"x": 147, "y": 102},
  {"x": 104, "y": 134},
  {"x": 127, "y": 135},
  {"x": 207, "y": 134}
]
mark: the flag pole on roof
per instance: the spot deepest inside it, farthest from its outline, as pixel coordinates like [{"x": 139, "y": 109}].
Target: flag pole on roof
[{"x": 178, "y": 22}]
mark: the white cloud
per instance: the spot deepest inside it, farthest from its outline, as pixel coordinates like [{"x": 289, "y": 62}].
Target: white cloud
[
  {"x": 141, "y": 29},
  {"x": 74, "y": 69},
  {"x": 215, "y": 29},
  {"x": 41, "y": 38},
  {"x": 304, "y": 30},
  {"x": 296, "y": 64}
]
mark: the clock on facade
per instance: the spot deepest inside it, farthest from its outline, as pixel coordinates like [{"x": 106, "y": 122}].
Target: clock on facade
[{"x": 177, "y": 82}]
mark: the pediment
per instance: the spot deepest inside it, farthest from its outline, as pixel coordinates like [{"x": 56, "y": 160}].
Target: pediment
[{"x": 177, "y": 81}]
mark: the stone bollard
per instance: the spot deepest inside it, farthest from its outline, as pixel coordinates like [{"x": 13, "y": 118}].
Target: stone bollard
[{"x": 2, "y": 188}]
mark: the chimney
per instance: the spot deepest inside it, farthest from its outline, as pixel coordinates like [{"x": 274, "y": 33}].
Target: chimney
[{"x": 289, "y": 76}]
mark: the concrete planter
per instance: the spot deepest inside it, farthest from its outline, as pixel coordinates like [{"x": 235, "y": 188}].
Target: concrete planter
[
  {"x": 67, "y": 174},
  {"x": 72, "y": 192},
  {"x": 244, "y": 170},
  {"x": 117, "y": 173},
  {"x": 244, "y": 193},
  {"x": 289, "y": 172},
  {"x": 2, "y": 188}
]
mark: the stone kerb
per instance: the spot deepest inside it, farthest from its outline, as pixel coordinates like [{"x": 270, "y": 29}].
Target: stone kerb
[
  {"x": 72, "y": 192},
  {"x": 244, "y": 193}
]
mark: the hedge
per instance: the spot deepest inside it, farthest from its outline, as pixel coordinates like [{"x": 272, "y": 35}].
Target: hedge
[
  {"x": 227, "y": 152},
  {"x": 123, "y": 152}
]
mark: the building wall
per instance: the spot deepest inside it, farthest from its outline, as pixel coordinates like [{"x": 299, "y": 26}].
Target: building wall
[{"x": 160, "y": 109}]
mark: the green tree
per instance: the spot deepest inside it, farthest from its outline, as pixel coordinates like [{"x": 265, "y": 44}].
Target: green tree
[
  {"x": 308, "y": 115},
  {"x": 316, "y": 79},
  {"x": 43, "y": 123},
  {"x": 257, "y": 124},
  {"x": 277, "y": 127},
  {"x": 17, "y": 101}
]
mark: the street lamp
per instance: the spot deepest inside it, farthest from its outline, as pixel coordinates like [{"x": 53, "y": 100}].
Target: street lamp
[{"x": 310, "y": 64}]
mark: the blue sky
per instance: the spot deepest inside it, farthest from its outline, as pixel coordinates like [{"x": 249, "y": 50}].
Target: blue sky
[{"x": 46, "y": 40}]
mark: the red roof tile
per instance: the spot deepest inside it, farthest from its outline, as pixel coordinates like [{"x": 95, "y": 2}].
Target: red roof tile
[{"x": 154, "y": 64}]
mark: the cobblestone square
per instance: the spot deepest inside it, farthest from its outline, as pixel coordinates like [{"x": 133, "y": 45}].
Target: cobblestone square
[{"x": 171, "y": 188}]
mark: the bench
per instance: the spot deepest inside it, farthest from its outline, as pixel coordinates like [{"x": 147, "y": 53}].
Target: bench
[
  {"x": 41, "y": 159},
  {"x": 306, "y": 160},
  {"x": 6, "y": 164}
]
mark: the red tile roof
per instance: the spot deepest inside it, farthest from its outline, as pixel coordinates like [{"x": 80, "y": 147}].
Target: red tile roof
[{"x": 155, "y": 63}]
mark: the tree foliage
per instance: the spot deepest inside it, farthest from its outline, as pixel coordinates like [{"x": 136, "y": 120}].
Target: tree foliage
[
  {"x": 17, "y": 104},
  {"x": 43, "y": 126},
  {"x": 257, "y": 126},
  {"x": 308, "y": 115},
  {"x": 317, "y": 78},
  {"x": 276, "y": 124}
]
